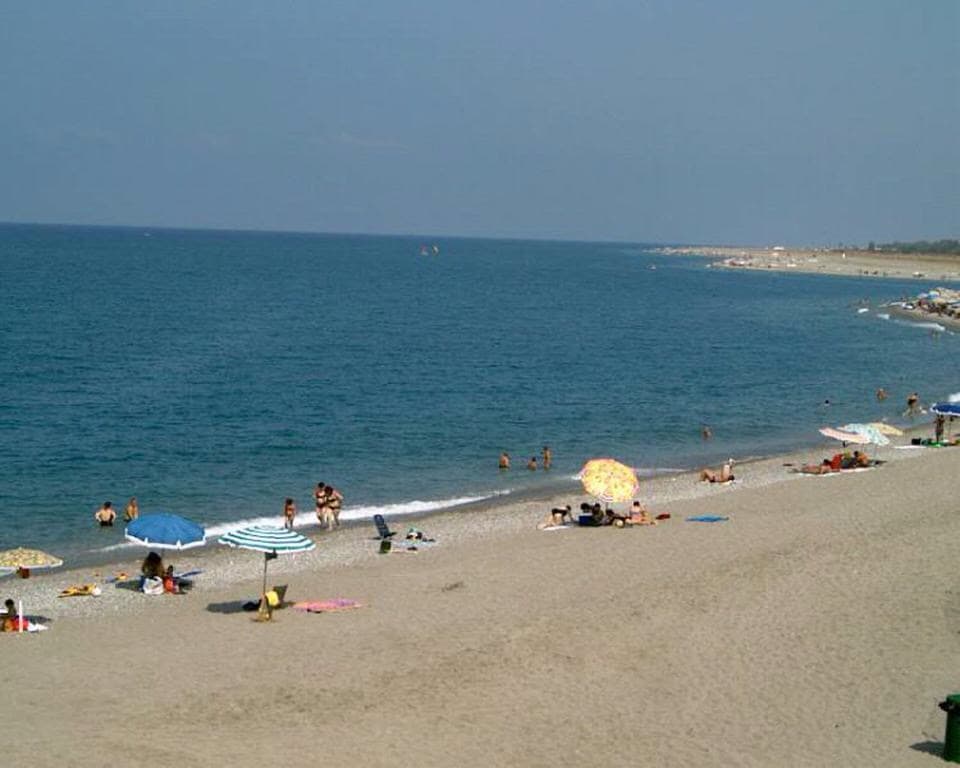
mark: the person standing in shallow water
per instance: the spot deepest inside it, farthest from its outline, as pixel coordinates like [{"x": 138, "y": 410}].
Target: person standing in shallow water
[
  {"x": 289, "y": 514},
  {"x": 881, "y": 395},
  {"x": 132, "y": 511},
  {"x": 532, "y": 464},
  {"x": 547, "y": 457},
  {"x": 105, "y": 515},
  {"x": 504, "y": 460},
  {"x": 913, "y": 404}
]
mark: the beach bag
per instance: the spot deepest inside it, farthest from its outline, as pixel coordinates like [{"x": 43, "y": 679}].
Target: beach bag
[{"x": 152, "y": 586}]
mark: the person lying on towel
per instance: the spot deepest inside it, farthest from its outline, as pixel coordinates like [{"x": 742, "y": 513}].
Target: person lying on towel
[{"x": 723, "y": 475}]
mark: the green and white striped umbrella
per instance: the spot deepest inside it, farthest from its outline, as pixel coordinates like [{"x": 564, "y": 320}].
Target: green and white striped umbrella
[{"x": 268, "y": 539}]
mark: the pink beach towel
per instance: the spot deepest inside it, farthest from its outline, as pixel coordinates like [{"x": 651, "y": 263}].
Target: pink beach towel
[{"x": 326, "y": 606}]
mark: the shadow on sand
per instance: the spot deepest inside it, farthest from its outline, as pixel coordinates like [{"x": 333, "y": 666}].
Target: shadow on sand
[{"x": 930, "y": 747}]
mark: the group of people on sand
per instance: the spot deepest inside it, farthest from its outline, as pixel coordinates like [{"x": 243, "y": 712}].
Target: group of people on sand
[
  {"x": 595, "y": 514},
  {"x": 547, "y": 460},
  {"x": 328, "y": 502},
  {"x": 157, "y": 579},
  {"x": 837, "y": 463},
  {"x": 106, "y": 516}
]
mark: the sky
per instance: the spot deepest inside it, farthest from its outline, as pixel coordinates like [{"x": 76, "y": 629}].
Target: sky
[{"x": 671, "y": 121}]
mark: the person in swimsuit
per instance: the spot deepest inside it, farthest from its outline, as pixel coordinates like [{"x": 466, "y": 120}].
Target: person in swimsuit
[
  {"x": 504, "y": 460},
  {"x": 547, "y": 457},
  {"x": 105, "y": 515},
  {"x": 881, "y": 395},
  {"x": 333, "y": 501},
  {"x": 318, "y": 499},
  {"x": 913, "y": 404},
  {"x": 289, "y": 514},
  {"x": 132, "y": 511},
  {"x": 705, "y": 432},
  {"x": 532, "y": 464}
]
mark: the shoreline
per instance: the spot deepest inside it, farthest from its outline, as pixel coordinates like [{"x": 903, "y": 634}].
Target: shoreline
[
  {"x": 120, "y": 554},
  {"x": 355, "y": 541}
]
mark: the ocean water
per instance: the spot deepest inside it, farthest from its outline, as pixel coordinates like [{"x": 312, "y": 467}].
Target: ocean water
[{"x": 215, "y": 373}]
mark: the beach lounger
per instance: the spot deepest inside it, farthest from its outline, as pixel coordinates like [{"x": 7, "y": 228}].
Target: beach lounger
[{"x": 382, "y": 529}]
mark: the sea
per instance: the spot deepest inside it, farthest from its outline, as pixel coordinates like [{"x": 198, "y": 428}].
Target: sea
[{"x": 215, "y": 373}]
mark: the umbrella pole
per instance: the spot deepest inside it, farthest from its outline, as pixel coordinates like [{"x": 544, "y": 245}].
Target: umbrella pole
[{"x": 266, "y": 559}]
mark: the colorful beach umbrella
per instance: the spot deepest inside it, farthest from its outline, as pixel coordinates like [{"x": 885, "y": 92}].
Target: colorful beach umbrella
[
  {"x": 162, "y": 530},
  {"x": 270, "y": 540},
  {"x": 21, "y": 559},
  {"x": 843, "y": 436},
  {"x": 609, "y": 480},
  {"x": 870, "y": 432}
]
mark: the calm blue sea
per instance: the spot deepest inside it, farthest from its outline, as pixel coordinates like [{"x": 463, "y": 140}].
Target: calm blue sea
[{"x": 215, "y": 373}]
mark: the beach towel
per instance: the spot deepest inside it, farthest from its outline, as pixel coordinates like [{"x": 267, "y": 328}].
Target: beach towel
[
  {"x": 707, "y": 519},
  {"x": 327, "y": 606},
  {"x": 84, "y": 590},
  {"x": 561, "y": 527}
]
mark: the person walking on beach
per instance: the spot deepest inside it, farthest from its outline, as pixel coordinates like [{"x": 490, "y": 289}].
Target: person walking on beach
[
  {"x": 318, "y": 500},
  {"x": 289, "y": 514},
  {"x": 132, "y": 510},
  {"x": 335, "y": 502},
  {"x": 105, "y": 515},
  {"x": 504, "y": 460},
  {"x": 938, "y": 424},
  {"x": 547, "y": 457},
  {"x": 329, "y": 511}
]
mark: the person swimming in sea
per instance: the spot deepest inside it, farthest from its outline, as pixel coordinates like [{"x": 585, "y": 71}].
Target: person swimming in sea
[
  {"x": 106, "y": 515},
  {"x": 504, "y": 462}
]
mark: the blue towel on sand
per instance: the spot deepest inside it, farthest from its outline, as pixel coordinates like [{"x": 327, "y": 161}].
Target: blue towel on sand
[{"x": 707, "y": 519}]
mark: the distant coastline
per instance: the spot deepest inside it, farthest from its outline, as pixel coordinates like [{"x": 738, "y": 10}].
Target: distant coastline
[{"x": 853, "y": 262}]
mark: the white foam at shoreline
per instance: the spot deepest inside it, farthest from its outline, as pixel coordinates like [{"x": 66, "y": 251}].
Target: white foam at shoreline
[{"x": 307, "y": 518}]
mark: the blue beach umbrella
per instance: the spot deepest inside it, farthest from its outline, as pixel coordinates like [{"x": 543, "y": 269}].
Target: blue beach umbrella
[
  {"x": 162, "y": 530},
  {"x": 270, "y": 540},
  {"x": 946, "y": 409}
]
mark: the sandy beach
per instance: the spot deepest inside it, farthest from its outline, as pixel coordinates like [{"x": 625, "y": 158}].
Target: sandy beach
[
  {"x": 817, "y": 626},
  {"x": 926, "y": 266}
]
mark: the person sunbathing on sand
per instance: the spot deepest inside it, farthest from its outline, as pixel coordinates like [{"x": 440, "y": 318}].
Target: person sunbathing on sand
[
  {"x": 724, "y": 475},
  {"x": 823, "y": 468}
]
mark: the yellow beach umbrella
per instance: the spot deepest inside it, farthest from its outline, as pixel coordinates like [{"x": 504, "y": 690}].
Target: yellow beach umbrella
[
  {"x": 24, "y": 560},
  {"x": 886, "y": 429},
  {"x": 609, "y": 480}
]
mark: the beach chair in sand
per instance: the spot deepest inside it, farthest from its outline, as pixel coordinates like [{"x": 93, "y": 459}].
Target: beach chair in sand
[{"x": 383, "y": 530}]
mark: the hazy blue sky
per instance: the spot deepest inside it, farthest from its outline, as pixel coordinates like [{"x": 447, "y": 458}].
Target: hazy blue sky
[{"x": 811, "y": 121}]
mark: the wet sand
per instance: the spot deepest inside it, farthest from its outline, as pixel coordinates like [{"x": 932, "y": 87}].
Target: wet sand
[{"x": 818, "y": 625}]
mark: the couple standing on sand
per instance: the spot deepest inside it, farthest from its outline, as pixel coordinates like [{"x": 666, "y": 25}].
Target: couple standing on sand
[{"x": 328, "y": 502}]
